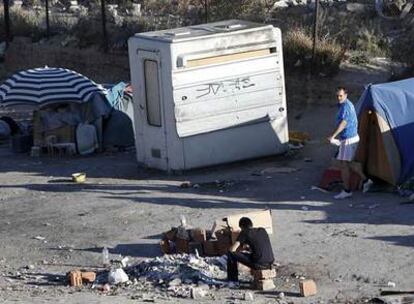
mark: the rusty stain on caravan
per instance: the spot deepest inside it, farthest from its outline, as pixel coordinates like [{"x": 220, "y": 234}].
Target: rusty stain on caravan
[{"x": 225, "y": 85}]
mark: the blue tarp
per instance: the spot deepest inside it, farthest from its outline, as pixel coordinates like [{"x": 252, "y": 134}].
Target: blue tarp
[{"x": 394, "y": 102}]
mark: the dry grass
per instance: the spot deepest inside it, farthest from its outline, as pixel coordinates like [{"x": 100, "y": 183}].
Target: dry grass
[{"x": 298, "y": 51}]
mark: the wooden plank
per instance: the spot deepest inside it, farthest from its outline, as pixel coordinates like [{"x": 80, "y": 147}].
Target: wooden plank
[{"x": 226, "y": 58}]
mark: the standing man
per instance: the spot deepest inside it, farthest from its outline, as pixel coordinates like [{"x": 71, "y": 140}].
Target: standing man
[
  {"x": 259, "y": 256},
  {"x": 347, "y": 133}
]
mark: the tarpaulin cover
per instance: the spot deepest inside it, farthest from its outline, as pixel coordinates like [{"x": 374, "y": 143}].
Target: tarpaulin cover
[{"x": 394, "y": 102}]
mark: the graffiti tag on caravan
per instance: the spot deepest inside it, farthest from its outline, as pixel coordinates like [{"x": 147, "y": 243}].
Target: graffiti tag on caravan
[{"x": 224, "y": 86}]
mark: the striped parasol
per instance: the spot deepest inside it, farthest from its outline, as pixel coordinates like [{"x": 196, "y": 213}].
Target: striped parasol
[{"x": 46, "y": 85}]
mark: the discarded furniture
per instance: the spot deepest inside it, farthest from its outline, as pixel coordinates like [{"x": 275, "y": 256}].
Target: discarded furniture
[{"x": 208, "y": 94}]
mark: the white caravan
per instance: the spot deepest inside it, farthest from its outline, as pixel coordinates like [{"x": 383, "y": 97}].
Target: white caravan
[{"x": 208, "y": 94}]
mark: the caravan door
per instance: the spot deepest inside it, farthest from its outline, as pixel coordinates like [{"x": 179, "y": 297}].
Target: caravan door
[{"x": 152, "y": 147}]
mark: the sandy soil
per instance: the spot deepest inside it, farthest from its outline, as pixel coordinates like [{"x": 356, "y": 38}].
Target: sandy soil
[{"x": 351, "y": 248}]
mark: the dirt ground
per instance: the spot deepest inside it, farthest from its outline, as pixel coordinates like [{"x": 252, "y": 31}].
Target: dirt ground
[{"x": 351, "y": 248}]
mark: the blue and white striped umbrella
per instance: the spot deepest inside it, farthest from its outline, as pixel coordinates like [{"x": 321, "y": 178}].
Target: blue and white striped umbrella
[{"x": 46, "y": 85}]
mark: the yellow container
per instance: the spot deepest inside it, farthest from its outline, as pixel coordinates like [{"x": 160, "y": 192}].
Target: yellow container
[{"x": 79, "y": 177}]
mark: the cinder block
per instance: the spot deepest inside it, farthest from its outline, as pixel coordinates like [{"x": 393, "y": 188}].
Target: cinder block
[
  {"x": 264, "y": 284},
  {"x": 89, "y": 276},
  {"x": 75, "y": 278},
  {"x": 264, "y": 274},
  {"x": 307, "y": 288}
]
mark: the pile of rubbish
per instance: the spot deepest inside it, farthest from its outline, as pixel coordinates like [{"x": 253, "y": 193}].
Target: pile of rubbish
[{"x": 181, "y": 275}]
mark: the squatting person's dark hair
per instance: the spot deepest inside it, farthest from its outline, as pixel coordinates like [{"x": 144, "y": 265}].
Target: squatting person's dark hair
[{"x": 245, "y": 223}]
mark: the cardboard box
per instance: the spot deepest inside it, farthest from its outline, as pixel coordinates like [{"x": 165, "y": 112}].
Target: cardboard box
[
  {"x": 181, "y": 245},
  {"x": 259, "y": 218},
  {"x": 198, "y": 235},
  {"x": 307, "y": 288}
]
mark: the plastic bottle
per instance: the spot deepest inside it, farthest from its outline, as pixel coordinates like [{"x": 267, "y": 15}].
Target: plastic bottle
[{"x": 105, "y": 256}]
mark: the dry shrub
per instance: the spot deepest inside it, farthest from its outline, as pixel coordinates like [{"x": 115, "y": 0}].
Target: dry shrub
[
  {"x": 24, "y": 22},
  {"x": 402, "y": 48},
  {"x": 298, "y": 50}
]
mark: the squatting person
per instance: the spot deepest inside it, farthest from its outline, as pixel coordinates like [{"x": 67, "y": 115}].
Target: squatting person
[{"x": 259, "y": 255}]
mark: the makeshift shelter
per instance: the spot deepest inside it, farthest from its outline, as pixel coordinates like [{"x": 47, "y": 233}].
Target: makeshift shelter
[
  {"x": 386, "y": 128},
  {"x": 63, "y": 102}
]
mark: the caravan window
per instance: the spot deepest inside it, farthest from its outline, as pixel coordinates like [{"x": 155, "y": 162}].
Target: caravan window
[{"x": 152, "y": 93}]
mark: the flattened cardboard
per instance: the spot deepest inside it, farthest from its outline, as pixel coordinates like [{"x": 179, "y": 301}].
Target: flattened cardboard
[{"x": 259, "y": 218}]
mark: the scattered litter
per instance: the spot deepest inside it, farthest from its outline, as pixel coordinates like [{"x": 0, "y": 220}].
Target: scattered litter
[
  {"x": 303, "y": 197},
  {"x": 248, "y": 296},
  {"x": 304, "y": 208},
  {"x": 295, "y": 147},
  {"x": 117, "y": 276},
  {"x": 298, "y": 137},
  {"x": 373, "y": 206},
  {"x": 345, "y": 232},
  {"x": 391, "y": 284},
  {"x": 185, "y": 185},
  {"x": 278, "y": 170},
  {"x": 281, "y": 295},
  {"x": 198, "y": 292},
  {"x": 79, "y": 177},
  {"x": 30, "y": 267},
  {"x": 106, "y": 288},
  {"x": 40, "y": 238},
  {"x": 319, "y": 189},
  {"x": 105, "y": 257}
]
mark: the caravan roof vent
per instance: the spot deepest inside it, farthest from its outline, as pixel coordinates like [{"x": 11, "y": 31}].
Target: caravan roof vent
[
  {"x": 177, "y": 34},
  {"x": 230, "y": 26}
]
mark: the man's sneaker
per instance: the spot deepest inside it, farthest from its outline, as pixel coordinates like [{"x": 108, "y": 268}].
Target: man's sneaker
[
  {"x": 343, "y": 194},
  {"x": 367, "y": 185},
  {"x": 233, "y": 285}
]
